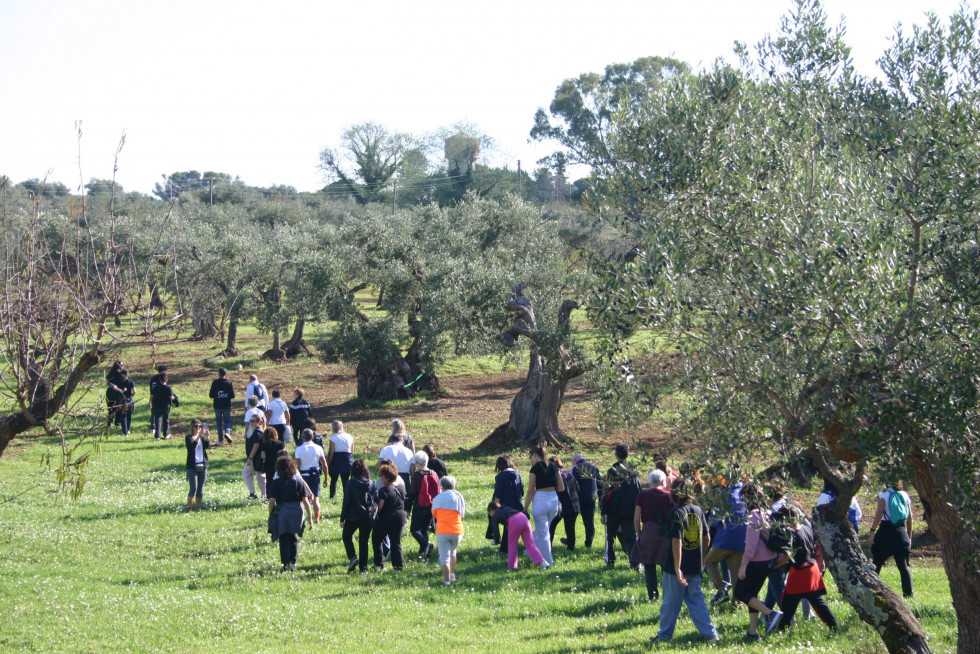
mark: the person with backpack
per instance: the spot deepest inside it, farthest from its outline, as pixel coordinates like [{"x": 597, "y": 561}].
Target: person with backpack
[
  {"x": 778, "y": 510},
  {"x": 589, "y": 480},
  {"x": 622, "y": 487},
  {"x": 544, "y": 484},
  {"x": 568, "y": 499},
  {"x": 517, "y": 527},
  {"x": 649, "y": 521},
  {"x": 805, "y": 579},
  {"x": 222, "y": 393},
  {"x": 684, "y": 564},
  {"x": 422, "y": 490},
  {"x": 357, "y": 515},
  {"x": 758, "y": 558},
  {"x": 891, "y": 530},
  {"x": 258, "y": 389}
]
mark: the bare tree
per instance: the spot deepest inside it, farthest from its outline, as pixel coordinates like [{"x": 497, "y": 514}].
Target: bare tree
[{"x": 65, "y": 276}]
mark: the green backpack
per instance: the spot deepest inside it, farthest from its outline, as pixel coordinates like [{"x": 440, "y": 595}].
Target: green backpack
[{"x": 898, "y": 508}]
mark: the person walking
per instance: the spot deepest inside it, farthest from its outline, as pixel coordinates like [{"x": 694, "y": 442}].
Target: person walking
[
  {"x": 757, "y": 561},
  {"x": 299, "y": 413},
  {"x": 423, "y": 489},
  {"x": 517, "y": 527},
  {"x": 448, "y": 509},
  {"x": 854, "y": 512},
  {"x": 253, "y": 471},
  {"x": 288, "y": 500},
  {"x": 357, "y": 515},
  {"x": 197, "y": 444},
  {"x": 805, "y": 578},
  {"x": 568, "y": 499},
  {"x": 543, "y": 485},
  {"x": 436, "y": 464},
  {"x": 311, "y": 461},
  {"x": 508, "y": 490},
  {"x": 390, "y": 521},
  {"x": 398, "y": 429},
  {"x": 589, "y": 480},
  {"x": 258, "y": 389},
  {"x": 652, "y": 545},
  {"x": 161, "y": 399},
  {"x": 278, "y": 415},
  {"x": 154, "y": 380},
  {"x": 269, "y": 450},
  {"x": 119, "y": 398},
  {"x": 728, "y": 544},
  {"x": 891, "y": 530},
  {"x": 222, "y": 393},
  {"x": 340, "y": 456},
  {"x": 689, "y": 542},
  {"x": 622, "y": 487},
  {"x": 400, "y": 455}
]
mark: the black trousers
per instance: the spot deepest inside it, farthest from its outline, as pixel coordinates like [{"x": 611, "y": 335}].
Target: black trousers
[
  {"x": 569, "y": 520},
  {"x": 344, "y": 478},
  {"x": 390, "y": 528},
  {"x": 160, "y": 419},
  {"x": 621, "y": 527},
  {"x": 421, "y": 521},
  {"x": 819, "y": 604},
  {"x": 650, "y": 576},
  {"x": 588, "y": 518},
  {"x": 288, "y": 546},
  {"x": 363, "y": 529}
]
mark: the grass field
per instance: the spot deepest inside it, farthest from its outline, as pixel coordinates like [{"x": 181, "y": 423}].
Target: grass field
[{"x": 124, "y": 568}]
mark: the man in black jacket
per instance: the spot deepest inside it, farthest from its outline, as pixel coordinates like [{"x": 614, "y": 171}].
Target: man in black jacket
[
  {"x": 161, "y": 398},
  {"x": 222, "y": 392},
  {"x": 622, "y": 486},
  {"x": 154, "y": 380}
]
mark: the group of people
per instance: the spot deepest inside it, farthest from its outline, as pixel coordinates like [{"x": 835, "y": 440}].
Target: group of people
[{"x": 760, "y": 537}]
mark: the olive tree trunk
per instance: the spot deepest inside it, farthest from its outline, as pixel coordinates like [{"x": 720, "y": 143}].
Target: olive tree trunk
[
  {"x": 296, "y": 345},
  {"x": 959, "y": 544},
  {"x": 534, "y": 410},
  {"x": 873, "y": 600}
]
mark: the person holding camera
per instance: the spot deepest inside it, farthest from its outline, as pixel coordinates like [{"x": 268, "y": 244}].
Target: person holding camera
[{"x": 197, "y": 445}]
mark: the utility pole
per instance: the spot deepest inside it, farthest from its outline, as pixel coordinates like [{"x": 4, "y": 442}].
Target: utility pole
[
  {"x": 520, "y": 180},
  {"x": 394, "y": 195},
  {"x": 211, "y": 191}
]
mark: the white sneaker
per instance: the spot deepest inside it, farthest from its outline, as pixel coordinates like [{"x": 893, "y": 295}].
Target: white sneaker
[
  {"x": 544, "y": 565},
  {"x": 452, "y": 576}
]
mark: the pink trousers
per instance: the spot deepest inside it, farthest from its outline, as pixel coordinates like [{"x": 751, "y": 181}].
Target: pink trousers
[{"x": 520, "y": 527}]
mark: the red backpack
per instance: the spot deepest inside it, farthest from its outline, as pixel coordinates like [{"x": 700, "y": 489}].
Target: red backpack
[{"x": 428, "y": 488}]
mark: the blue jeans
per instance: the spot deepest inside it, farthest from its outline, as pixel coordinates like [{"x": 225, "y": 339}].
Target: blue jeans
[
  {"x": 674, "y": 595},
  {"x": 222, "y": 423}
]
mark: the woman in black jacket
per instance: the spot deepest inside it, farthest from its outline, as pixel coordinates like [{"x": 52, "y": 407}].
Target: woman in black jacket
[
  {"x": 570, "y": 507},
  {"x": 390, "y": 521},
  {"x": 292, "y": 497},
  {"x": 269, "y": 450},
  {"x": 197, "y": 445},
  {"x": 357, "y": 514}
]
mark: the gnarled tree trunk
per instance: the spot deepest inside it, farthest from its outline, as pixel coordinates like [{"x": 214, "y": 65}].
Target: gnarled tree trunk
[
  {"x": 873, "y": 600},
  {"x": 534, "y": 410},
  {"x": 296, "y": 345},
  {"x": 205, "y": 321},
  {"x": 959, "y": 544}
]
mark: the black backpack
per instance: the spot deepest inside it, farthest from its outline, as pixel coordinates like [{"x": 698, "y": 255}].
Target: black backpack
[{"x": 778, "y": 537}]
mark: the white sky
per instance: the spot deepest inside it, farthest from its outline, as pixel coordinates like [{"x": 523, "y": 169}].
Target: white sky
[{"x": 257, "y": 89}]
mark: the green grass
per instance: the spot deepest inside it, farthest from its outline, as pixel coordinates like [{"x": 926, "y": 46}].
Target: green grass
[{"x": 123, "y": 568}]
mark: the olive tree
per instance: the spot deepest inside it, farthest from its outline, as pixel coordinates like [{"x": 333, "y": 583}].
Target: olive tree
[{"x": 807, "y": 241}]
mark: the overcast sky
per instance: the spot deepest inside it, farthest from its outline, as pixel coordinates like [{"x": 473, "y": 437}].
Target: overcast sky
[{"x": 257, "y": 89}]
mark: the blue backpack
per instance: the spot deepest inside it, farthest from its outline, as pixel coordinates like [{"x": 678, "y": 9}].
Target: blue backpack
[{"x": 898, "y": 508}]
